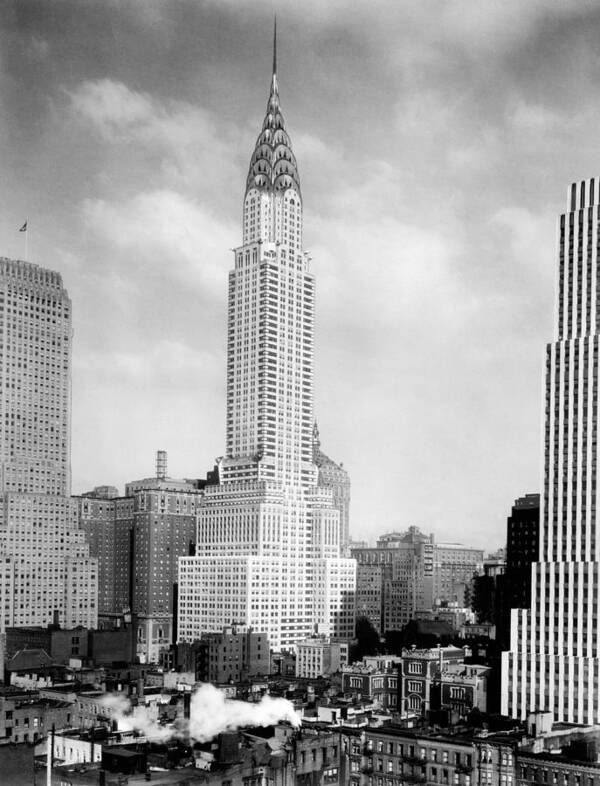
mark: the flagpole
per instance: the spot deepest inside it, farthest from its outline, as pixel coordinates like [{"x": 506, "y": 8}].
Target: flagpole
[{"x": 24, "y": 229}]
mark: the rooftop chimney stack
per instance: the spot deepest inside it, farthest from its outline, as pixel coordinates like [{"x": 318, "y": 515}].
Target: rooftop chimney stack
[{"x": 161, "y": 464}]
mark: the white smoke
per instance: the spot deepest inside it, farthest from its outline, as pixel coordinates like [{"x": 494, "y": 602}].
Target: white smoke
[
  {"x": 210, "y": 714},
  {"x": 139, "y": 718}
]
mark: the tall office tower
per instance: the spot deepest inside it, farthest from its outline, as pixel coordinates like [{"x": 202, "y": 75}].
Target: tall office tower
[
  {"x": 43, "y": 556},
  {"x": 268, "y": 535},
  {"x": 554, "y": 660},
  {"x": 137, "y": 540},
  {"x": 335, "y": 477},
  {"x": 513, "y": 587},
  {"x": 164, "y": 529}
]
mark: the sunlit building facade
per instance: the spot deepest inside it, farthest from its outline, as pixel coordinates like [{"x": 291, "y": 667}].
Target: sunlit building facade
[
  {"x": 268, "y": 536},
  {"x": 553, "y": 663},
  {"x": 46, "y": 572}
]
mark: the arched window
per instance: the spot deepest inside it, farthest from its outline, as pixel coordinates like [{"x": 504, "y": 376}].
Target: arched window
[{"x": 414, "y": 703}]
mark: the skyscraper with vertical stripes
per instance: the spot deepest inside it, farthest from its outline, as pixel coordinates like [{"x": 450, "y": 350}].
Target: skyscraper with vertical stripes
[
  {"x": 268, "y": 546},
  {"x": 46, "y": 573},
  {"x": 554, "y": 660}
]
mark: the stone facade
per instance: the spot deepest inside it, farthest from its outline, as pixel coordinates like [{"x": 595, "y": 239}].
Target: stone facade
[{"x": 45, "y": 566}]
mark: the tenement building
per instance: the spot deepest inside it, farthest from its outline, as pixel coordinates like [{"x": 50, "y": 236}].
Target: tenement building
[
  {"x": 268, "y": 545},
  {"x": 45, "y": 565},
  {"x": 554, "y": 661},
  {"x": 236, "y": 653},
  {"x": 394, "y": 755}
]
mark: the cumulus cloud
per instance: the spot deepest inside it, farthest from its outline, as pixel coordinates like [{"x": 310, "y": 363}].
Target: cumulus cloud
[
  {"x": 166, "y": 227},
  {"x": 38, "y": 48},
  {"x": 435, "y": 142},
  {"x": 115, "y": 109},
  {"x": 194, "y": 147}
]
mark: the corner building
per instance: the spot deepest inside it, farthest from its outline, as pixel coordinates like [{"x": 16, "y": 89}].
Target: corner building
[
  {"x": 268, "y": 544},
  {"x": 554, "y": 658},
  {"x": 45, "y": 565}
]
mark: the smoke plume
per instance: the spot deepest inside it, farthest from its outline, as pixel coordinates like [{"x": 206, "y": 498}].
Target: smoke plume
[
  {"x": 139, "y": 718},
  {"x": 210, "y": 714}
]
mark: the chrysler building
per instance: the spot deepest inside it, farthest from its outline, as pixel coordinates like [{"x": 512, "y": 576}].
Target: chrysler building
[
  {"x": 268, "y": 545},
  {"x": 554, "y": 659}
]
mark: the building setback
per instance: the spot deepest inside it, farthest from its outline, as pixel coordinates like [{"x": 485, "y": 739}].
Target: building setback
[
  {"x": 554, "y": 660},
  {"x": 45, "y": 566},
  {"x": 268, "y": 544},
  {"x": 335, "y": 477}
]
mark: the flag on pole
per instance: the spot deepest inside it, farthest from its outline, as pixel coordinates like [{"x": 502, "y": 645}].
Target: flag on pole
[{"x": 23, "y": 228}]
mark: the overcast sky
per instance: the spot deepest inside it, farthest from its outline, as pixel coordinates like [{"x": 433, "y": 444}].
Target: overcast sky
[{"x": 435, "y": 142}]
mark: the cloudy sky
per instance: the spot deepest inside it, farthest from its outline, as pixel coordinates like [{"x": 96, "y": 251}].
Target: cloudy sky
[{"x": 435, "y": 139}]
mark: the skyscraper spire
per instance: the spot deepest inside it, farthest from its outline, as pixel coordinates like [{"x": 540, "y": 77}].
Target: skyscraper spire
[
  {"x": 275, "y": 47},
  {"x": 273, "y": 165}
]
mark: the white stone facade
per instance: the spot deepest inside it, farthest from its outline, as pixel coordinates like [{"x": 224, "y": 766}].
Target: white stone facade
[
  {"x": 318, "y": 657},
  {"x": 553, "y": 663},
  {"x": 266, "y": 532}
]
